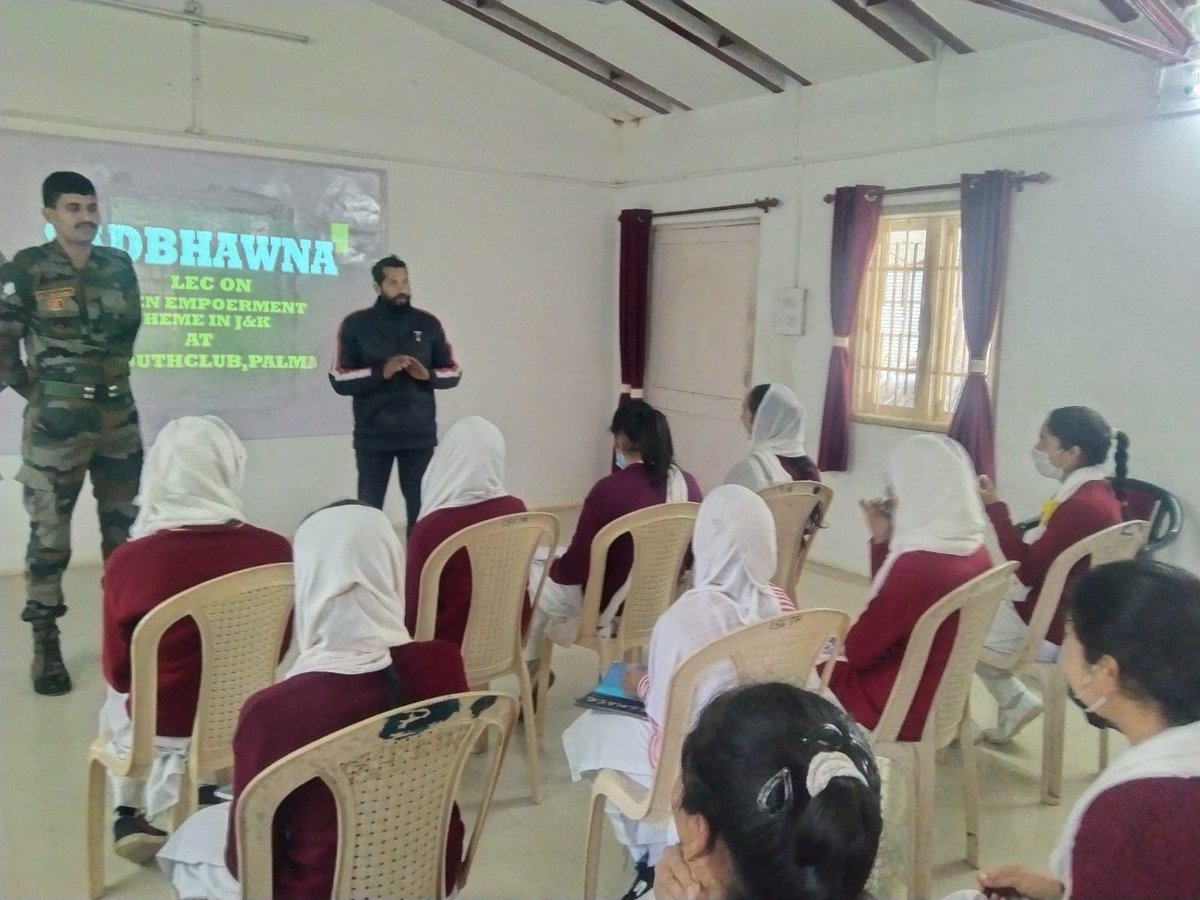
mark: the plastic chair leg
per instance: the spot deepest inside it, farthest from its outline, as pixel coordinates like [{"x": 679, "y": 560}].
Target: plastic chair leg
[
  {"x": 1054, "y": 697},
  {"x": 96, "y": 820},
  {"x": 531, "y": 729},
  {"x": 591, "y": 856},
  {"x": 924, "y": 774},
  {"x": 970, "y": 788}
]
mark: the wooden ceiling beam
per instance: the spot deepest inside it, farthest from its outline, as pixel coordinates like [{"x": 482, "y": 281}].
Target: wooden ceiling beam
[
  {"x": 927, "y": 21},
  {"x": 1079, "y": 25},
  {"x": 540, "y": 38},
  {"x": 883, "y": 30},
  {"x": 1122, "y": 10},
  {"x": 727, "y": 38},
  {"x": 1167, "y": 21},
  {"x": 713, "y": 48}
]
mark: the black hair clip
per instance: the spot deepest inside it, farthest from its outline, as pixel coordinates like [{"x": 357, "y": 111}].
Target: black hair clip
[{"x": 775, "y": 796}]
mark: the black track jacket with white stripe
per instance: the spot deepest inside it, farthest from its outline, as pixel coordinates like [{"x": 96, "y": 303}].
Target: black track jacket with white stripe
[{"x": 398, "y": 413}]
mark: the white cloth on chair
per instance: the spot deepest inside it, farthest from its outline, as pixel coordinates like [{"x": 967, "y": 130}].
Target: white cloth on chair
[
  {"x": 193, "y": 859},
  {"x": 160, "y": 791}
]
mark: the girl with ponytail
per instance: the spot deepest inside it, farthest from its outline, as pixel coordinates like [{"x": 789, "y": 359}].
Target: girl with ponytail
[
  {"x": 1072, "y": 447},
  {"x": 779, "y": 798},
  {"x": 644, "y": 474}
]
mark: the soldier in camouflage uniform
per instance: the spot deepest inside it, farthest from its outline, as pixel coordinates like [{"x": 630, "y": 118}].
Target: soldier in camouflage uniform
[{"x": 77, "y": 309}]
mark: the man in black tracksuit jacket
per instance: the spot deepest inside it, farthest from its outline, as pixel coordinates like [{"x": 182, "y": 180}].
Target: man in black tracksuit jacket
[{"x": 390, "y": 358}]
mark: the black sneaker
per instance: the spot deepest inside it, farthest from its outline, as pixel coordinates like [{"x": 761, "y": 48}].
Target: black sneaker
[
  {"x": 135, "y": 839},
  {"x": 643, "y": 880},
  {"x": 207, "y": 795}
]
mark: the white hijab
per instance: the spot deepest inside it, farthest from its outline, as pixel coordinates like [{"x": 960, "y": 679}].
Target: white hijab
[
  {"x": 349, "y": 592},
  {"x": 734, "y": 548},
  {"x": 778, "y": 430},
  {"x": 1173, "y": 753},
  {"x": 937, "y": 500},
  {"x": 193, "y": 476},
  {"x": 467, "y": 467}
]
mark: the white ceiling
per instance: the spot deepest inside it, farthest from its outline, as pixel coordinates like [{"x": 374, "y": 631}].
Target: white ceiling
[{"x": 815, "y": 38}]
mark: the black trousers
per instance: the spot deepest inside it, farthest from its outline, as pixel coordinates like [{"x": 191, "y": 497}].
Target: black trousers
[{"x": 375, "y": 471}]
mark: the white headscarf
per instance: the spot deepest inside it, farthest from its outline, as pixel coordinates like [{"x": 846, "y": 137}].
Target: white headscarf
[
  {"x": 193, "y": 476},
  {"x": 778, "y": 430},
  {"x": 734, "y": 547},
  {"x": 937, "y": 500},
  {"x": 349, "y": 592},
  {"x": 467, "y": 467}
]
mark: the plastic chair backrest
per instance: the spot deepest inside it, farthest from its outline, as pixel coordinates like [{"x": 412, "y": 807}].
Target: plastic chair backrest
[
  {"x": 661, "y": 535},
  {"x": 242, "y": 618},
  {"x": 394, "y": 778},
  {"x": 799, "y": 509},
  {"x": 1117, "y": 542},
  {"x": 781, "y": 649},
  {"x": 500, "y": 551},
  {"x": 1158, "y": 506},
  {"x": 975, "y": 603}
]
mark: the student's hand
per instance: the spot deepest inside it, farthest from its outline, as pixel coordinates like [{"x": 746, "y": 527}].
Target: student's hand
[
  {"x": 987, "y": 491},
  {"x": 631, "y": 679},
  {"x": 675, "y": 879},
  {"x": 878, "y": 514},
  {"x": 393, "y": 365},
  {"x": 416, "y": 368},
  {"x": 1036, "y": 884}
]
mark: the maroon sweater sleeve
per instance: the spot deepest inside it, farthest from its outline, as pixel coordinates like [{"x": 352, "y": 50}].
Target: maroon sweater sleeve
[
  {"x": 889, "y": 618},
  {"x": 572, "y": 566},
  {"x": 254, "y": 748},
  {"x": 118, "y": 625},
  {"x": 1137, "y": 841}
]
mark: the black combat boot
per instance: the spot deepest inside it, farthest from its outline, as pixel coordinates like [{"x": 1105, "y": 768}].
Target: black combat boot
[{"x": 48, "y": 672}]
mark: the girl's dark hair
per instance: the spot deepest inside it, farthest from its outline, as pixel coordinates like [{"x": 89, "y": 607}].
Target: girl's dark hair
[
  {"x": 1083, "y": 427},
  {"x": 1146, "y": 616},
  {"x": 815, "y": 848},
  {"x": 647, "y": 429},
  {"x": 754, "y": 399}
]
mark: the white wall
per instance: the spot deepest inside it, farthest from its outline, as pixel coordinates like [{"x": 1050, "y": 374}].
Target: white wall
[
  {"x": 1104, "y": 275},
  {"x": 499, "y": 199}
]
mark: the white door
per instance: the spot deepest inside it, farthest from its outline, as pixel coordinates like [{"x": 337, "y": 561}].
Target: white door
[{"x": 702, "y": 298}]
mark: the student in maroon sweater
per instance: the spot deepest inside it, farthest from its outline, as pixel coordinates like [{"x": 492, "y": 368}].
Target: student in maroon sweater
[
  {"x": 927, "y": 539},
  {"x": 1072, "y": 446},
  {"x": 774, "y": 419},
  {"x": 463, "y": 486},
  {"x": 1129, "y": 656},
  {"x": 646, "y": 474},
  {"x": 189, "y": 529},
  {"x": 351, "y": 639}
]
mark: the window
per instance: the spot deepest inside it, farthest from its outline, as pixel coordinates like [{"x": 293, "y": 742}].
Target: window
[{"x": 910, "y": 354}]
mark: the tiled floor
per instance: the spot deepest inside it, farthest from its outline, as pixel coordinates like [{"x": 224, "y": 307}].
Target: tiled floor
[{"x": 527, "y": 851}]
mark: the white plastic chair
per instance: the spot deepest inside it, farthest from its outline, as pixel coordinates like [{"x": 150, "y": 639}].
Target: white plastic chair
[
  {"x": 975, "y": 604},
  {"x": 799, "y": 510}
]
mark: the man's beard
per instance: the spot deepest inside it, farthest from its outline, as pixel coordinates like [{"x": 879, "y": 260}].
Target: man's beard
[{"x": 400, "y": 299}]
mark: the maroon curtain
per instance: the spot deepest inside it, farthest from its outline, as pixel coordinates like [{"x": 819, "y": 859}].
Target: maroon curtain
[
  {"x": 634, "y": 300},
  {"x": 855, "y": 225},
  {"x": 986, "y": 211}
]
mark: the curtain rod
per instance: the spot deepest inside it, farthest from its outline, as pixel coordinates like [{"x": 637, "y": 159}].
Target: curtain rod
[
  {"x": 766, "y": 204},
  {"x": 1020, "y": 181}
]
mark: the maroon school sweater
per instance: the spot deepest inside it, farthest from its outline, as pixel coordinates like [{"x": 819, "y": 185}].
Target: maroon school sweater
[
  {"x": 876, "y": 642},
  {"x": 1140, "y": 841},
  {"x": 613, "y": 496},
  {"x": 800, "y": 468},
  {"x": 299, "y": 710},
  {"x": 1092, "y": 508},
  {"x": 142, "y": 573},
  {"x": 454, "y": 594}
]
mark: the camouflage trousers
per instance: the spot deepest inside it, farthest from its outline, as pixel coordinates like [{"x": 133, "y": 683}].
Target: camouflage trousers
[{"x": 64, "y": 440}]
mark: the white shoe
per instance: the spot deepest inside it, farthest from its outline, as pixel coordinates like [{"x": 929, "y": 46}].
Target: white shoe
[{"x": 1011, "y": 719}]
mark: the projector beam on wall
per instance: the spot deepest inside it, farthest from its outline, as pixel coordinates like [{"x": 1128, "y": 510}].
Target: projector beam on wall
[{"x": 193, "y": 14}]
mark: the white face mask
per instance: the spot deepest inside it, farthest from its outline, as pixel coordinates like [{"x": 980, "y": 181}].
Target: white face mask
[
  {"x": 620, "y": 460},
  {"x": 1041, "y": 462}
]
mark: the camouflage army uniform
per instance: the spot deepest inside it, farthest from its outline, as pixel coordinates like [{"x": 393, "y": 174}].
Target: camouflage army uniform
[{"x": 78, "y": 328}]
